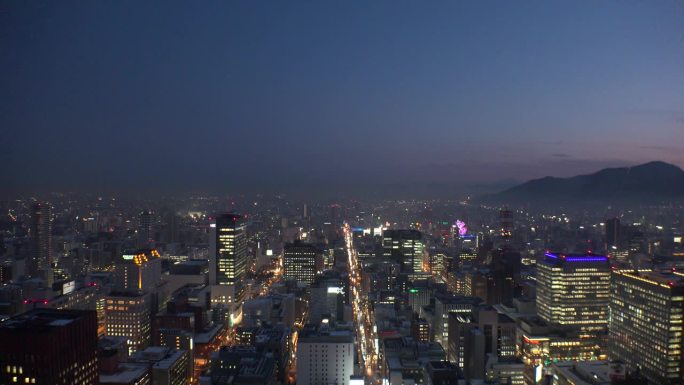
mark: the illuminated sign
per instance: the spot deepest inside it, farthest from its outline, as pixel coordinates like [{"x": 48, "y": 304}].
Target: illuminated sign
[
  {"x": 68, "y": 287},
  {"x": 577, "y": 258},
  {"x": 269, "y": 252},
  {"x": 462, "y": 228},
  {"x": 334, "y": 290}
]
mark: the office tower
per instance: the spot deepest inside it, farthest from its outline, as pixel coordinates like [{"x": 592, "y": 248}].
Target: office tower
[
  {"x": 172, "y": 220},
  {"x": 405, "y": 247},
  {"x": 175, "y": 338},
  {"x": 228, "y": 254},
  {"x": 301, "y": 262},
  {"x": 6, "y": 272},
  {"x": 503, "y": 275},
  {"x": 574, "y": 290},
  {"x": 476, "y": 335},
  {"x": 138, "y": 270},
  {"x": 612, "y": 233},
  {"x": 127, "y": 314},
  {"x": 325, "y": 357},
  {"x": 335, "y": 219},
  {"x": 40, "y": 264},
  {"x": 146, "y": 229},
  {"x": 419, "y": 294},
  {"x": 326, "y": 298},
  {"x": 438, "y": 262},
  {"x": 420, "y": 329},
  {"x": 446, "y": 303},
  {"x": 47, "y": 346},
  {"x": 506, "y": 219},
  {"x": 646, "y": 320}
]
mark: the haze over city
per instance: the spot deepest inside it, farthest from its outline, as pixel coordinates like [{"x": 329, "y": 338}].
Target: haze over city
[{"x": 341, "y": 192}]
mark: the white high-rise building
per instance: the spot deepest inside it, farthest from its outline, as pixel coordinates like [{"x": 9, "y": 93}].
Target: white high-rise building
[{"x": 325, "y": 358}]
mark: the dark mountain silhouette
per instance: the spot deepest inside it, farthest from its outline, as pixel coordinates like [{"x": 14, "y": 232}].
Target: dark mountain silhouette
[{"x": 647, "y": 183}]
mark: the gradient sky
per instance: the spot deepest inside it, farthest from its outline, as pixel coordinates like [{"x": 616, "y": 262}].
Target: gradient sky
[{"x": 224, "y": 94}]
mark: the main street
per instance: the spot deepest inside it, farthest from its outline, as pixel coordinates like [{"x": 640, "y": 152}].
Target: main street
[{"x": 362, "y": 314}]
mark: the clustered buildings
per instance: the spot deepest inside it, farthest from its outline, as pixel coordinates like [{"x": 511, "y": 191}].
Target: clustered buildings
[{"x": 330, "y": 294}]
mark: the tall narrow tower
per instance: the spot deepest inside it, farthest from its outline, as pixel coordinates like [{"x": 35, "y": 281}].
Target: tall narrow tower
[
  {"x": 228, "y": 253},
  {"x": 41, "y": 242},
  {"x": 146, "y": 229},
  {"x": 506, "y": 219}
]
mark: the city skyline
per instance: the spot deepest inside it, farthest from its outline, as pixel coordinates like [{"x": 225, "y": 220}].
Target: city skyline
[
  {"x": 304, "y": 95},
  {"x": 342, "y": 193}
]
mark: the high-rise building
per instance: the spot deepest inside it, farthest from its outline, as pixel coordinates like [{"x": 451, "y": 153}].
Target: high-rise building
[
  {"x": 646, "y": 321},
  {"x": 127, "y": 314},
  {"x": 612, "y": 232},
  {"x": 326, "y": 298},
  {"x": 445, "y": 304},
  {"x": 574, "y": 290},
  {"x": 146, "y": 229},
  {"x": 228, "y": 254},
  {"x": 325, "y": 357},
  {"x": 335, "y": 217},
  {"x": 40, "y": 264},
  {"x": 405, "y": 247},
  {"x": 138, "y": 270},
  {"x": 301, "y": 262},
  {"x": 47, "y": 346},
  {"x": 472, "y": 337}
]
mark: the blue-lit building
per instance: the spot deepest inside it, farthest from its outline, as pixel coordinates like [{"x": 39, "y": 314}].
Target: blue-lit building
[{"x": 574, "y": 289}]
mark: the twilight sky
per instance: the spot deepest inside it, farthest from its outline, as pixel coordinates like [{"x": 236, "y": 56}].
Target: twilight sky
[{"x": 224, "y": 94}]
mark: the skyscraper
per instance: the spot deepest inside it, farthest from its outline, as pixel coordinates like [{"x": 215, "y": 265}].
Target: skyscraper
[
  {"x": 228, "y": 253},
  {"x": 335, "y": 214},
  {"x": 40, "y": 264},
  {"x": 646, "y": 321},
  {"x": 146, "y": 229},
  {"x": 47, "y": 346},
  {"x": 574, "y": 290},
  {"x": 612, "y": 232},
  {"x": 301, "y": 262},
  {"x": 405, "y": 247},
  {"x": 127, "y": 315}
]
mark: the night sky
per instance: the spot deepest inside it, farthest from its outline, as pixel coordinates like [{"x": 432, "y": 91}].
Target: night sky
[{"x": 121, "y": 95}]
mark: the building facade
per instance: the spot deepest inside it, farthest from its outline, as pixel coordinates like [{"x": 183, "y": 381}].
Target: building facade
[
  {"x": 647, "y": 316},
  {"x": 301, "y": 262},
  {"x": 574, "y": 290},
  {"x": 48, "y": 346},
  {"x": 405, "y": 247},
  {"x": 127, "y": 314},
  {"x": 228, "y": 254}
]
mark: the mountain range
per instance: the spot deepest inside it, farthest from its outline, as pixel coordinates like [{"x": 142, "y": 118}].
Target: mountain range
[{"x": 648, "y": 183}]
